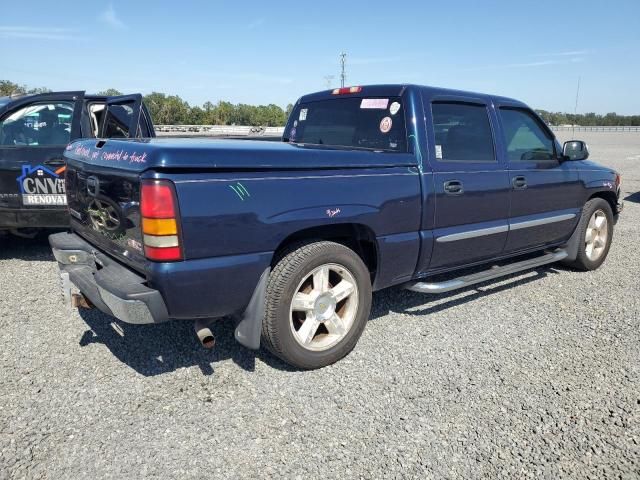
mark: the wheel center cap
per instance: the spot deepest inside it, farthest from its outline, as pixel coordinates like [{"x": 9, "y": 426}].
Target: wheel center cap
[{"x": 325, "y": 307}]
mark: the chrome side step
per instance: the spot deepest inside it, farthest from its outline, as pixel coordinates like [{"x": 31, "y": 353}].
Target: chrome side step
[{"x": 490, "y": 274}]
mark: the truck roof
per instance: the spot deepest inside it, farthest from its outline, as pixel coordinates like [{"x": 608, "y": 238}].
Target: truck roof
[
  {"x": 7, "y": 100},
  {"x": 397, "y": 89}
]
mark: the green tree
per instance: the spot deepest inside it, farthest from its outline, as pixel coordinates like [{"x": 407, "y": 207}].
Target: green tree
[
  {"x": 9, "y": 88},
  {"x": 110, "y": 92}
]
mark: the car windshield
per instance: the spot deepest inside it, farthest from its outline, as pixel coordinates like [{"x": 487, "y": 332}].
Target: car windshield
[{"x": 352, "y": 122}]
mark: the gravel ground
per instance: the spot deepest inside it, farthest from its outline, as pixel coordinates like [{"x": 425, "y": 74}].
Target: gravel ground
[{"x": 533, "y": 376}]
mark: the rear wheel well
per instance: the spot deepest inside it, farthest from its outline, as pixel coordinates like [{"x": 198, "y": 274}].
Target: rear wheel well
[
  {"x": 357, "y": 237},
  {"x": 610, "y": 197}
]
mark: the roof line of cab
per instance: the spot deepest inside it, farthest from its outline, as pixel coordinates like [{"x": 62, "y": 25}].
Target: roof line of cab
[
  {"x": 12, "y": 98},
  {"x": 396, "y": 90}
]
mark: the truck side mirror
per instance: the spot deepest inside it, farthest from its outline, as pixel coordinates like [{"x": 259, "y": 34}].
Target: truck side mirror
[{"x": 575, "y": 150}]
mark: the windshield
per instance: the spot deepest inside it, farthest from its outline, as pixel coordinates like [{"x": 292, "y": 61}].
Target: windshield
[{"x": 363, "y": 123}]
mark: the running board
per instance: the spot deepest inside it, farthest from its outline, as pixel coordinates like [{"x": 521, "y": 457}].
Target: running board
[{"x": 490, "y": 274}]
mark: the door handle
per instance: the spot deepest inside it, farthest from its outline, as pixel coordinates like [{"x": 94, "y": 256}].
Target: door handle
[
  {"x": 453, "y": 187},
  {"x": 519, "y": 183}
]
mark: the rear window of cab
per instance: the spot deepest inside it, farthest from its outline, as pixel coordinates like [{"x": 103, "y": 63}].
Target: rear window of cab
[{"x": 350, "y": 122}]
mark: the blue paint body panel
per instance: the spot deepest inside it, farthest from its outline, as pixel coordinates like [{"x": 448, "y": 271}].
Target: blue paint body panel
[{"x": 241, "y": 201}]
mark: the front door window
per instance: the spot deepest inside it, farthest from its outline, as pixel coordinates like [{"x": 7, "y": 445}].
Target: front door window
[{"x": 38, "y": 124}]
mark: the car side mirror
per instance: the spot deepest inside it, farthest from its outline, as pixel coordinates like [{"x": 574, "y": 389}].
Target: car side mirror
[{"x": 575, "y": 150}]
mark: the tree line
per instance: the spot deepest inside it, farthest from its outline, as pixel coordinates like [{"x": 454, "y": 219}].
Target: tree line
[
  {"x": 590, "y": 119},
  {"x": 173, "y": 110}
]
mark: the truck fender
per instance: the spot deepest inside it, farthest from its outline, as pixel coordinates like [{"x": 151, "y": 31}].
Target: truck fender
[{"x": 249, "y": 327}]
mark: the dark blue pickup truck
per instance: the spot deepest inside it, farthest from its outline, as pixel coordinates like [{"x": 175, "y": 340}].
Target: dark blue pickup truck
[{"x": 371, "y": 187}]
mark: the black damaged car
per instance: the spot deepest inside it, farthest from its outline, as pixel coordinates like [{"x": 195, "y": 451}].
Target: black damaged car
[{"x": 34, "y": 131}]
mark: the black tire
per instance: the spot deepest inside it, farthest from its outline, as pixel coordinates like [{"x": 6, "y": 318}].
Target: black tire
[
  {"x": 582, "y": 261},
  {"x": 292, "y": 269}
]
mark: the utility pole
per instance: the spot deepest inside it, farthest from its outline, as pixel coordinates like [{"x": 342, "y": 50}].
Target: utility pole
[
  {"x": 329, "y": 80},
  {"x": 343, "y": 73},
  {"x": 575, "y": 110}
]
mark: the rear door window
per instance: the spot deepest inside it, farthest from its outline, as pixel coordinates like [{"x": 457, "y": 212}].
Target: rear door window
[
  {"x": 462, "y": 132},
  {"x": 118, "y": 120},
  {"x": 353, "y": 122}
]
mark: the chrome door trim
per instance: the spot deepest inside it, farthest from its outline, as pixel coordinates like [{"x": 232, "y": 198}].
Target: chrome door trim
[
  {"x": 541, "y": 221},
  {"x": 481, "y": 232}
]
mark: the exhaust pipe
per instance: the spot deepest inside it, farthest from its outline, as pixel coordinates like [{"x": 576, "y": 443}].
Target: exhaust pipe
[
  {"x": 207, "y": 340},
  {"x": 78, "y": 300}
]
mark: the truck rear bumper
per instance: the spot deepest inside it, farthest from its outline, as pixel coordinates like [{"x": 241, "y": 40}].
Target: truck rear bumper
[{"x": 111, "y": 287}]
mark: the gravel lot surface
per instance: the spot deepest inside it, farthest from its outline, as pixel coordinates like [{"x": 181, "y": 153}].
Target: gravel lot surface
[{"x": 533, "y": 376}]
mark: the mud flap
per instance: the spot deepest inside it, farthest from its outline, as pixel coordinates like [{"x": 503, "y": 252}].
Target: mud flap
[
  {"x": 249, "y": 328},
  {"x": 573, "y": 244}
]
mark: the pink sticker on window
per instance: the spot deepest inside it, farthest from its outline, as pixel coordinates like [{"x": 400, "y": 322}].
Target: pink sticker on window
[{"x": 379, "y": 103}]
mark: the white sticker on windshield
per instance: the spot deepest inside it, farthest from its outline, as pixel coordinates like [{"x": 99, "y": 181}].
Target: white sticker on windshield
[
  {"x": 379, "y": 103},
  {"x": 394, "y": 108},
  {"x": 385, "y": 125},
  {"x": 439, "y": 151},
  {"x": 303, "y": 115}
]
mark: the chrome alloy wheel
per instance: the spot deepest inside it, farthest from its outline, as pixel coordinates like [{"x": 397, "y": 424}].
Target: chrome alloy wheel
[
  {"x": 596, "y": 235},
  {"x": 324, "y": 307}
]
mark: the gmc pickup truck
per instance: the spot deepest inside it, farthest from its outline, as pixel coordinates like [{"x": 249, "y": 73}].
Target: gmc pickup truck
[
  {"x": 34, "y": 131},
  {"x": 371, "y": 187}
]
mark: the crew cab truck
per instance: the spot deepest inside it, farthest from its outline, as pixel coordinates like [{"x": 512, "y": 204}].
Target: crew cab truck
[
  {"x": 371, "y": 187},
  {"x": 34, "y": 131}
]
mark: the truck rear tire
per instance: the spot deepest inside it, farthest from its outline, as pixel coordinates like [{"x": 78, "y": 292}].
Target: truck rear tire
[
  {"x": 595, "y": 232},
  {"x": 318, "y": 301}
]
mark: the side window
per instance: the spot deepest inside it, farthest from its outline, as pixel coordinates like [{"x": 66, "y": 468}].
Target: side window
[
  {"x": 525, "y": 138},
  {"x": 37, "y": 124},
  {"x": 117, "y": 120},
  {"x": 143, "y": 126},
  {"x": 463, "y": 132}
]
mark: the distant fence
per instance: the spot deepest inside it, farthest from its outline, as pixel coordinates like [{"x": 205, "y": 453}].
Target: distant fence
[
  {"x": 217, "y": 131},
  {"x": 567, "y": 128},
  {"x": 241, "y": 131}
]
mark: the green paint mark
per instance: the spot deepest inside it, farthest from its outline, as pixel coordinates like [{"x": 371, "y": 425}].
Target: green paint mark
[
  {"x": 237, "y": 192},
  {"x": 244, "y": 189}
]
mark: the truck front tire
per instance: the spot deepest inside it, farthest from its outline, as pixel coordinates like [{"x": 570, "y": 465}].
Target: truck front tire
[
  {"x": 595, "y": 232},
  {"x": 318, "y": 301}
]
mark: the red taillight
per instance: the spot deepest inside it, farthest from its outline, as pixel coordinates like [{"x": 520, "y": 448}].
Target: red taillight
[
  {"x": 157, "y": 200},
  {"x": 170, "y": 254},
  {"x": 345, "y": 90},
  {"x": 161, "y": 239},
  {"x": 618, "y": 180}
]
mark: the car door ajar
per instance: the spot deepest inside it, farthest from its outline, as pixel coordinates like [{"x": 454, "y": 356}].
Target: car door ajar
[
  {"x": 125, "y": 118},
  {"x": 545, "y": 192},
  {"x": 34, "y": 132},
  {"x": 471, "y": 184}
]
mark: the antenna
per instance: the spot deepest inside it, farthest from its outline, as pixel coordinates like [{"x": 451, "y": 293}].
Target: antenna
[
  {"x": 329, "y": 80},
  {"x": 343, "y": 73},
  {"x": 575, "y": 110}
]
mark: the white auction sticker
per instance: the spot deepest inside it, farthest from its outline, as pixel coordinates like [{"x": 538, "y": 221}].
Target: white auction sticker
[
  {"x": 439, "y": 151},
  {"x": 303, "y": 115},
  {"x": 394, "y": 108},
  {"x": 378, "y": 103},
  {"x": 385, "y": 124}
]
